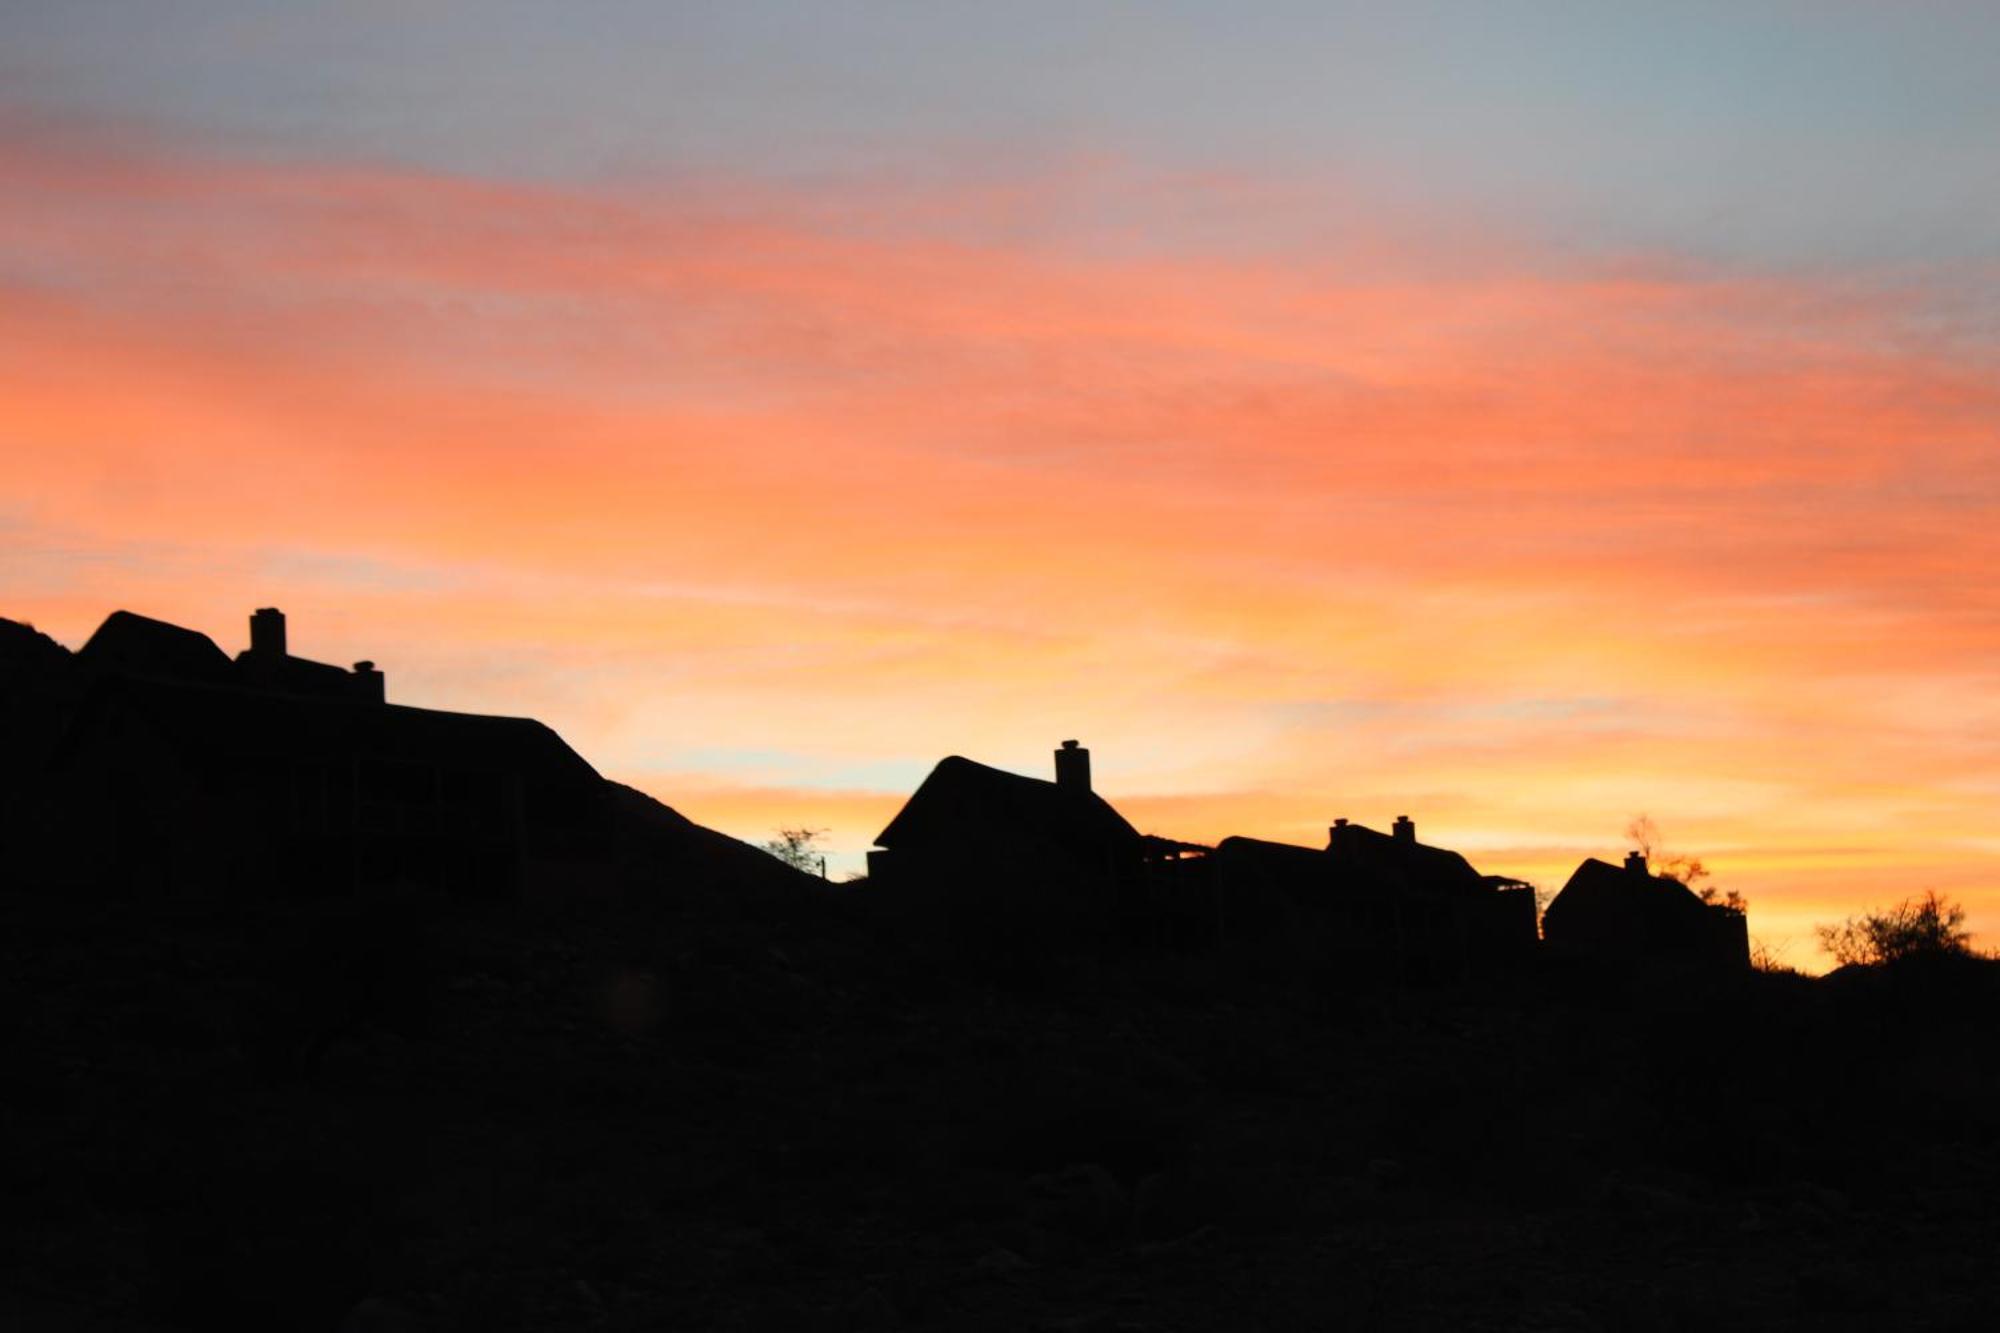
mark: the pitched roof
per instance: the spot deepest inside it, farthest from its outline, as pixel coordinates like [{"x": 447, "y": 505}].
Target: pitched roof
[
  {"x": 1359, "y": 858},
  {"x": 142, "y": 646},
  {"x": 1277, "y": 856},
  {"x": 220, "y": 725},
  {"x": 962, "y": 800},
  {"x": 1608, "y": 905},
  {"x": 1363, "y": 853}
]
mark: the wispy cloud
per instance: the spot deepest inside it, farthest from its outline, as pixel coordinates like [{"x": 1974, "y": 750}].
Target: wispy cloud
[{"x": 701, "y": 468}]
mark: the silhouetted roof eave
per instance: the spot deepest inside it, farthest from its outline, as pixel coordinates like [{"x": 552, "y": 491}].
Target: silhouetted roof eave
[
  {"x": 205, "y": 722},
  {"x": 129, "y": 643},
  {"x": 1598, "y": 895},
  {"x": 960, "y": 794}
]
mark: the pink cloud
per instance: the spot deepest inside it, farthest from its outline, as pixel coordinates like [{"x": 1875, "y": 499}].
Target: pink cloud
[{"x": 729, "y": 466}]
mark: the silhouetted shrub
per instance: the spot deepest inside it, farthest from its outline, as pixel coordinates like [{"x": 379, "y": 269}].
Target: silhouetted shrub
[
  {"x": 799, "y": 848},
  {"x": 1912, "y": 928}
]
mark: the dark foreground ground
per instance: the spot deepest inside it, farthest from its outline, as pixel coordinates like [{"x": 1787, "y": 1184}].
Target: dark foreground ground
[{"x": 778, "y": 1115}]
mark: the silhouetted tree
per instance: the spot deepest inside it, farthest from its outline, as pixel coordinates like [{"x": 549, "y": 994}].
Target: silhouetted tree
[
  {"x": 1715, "y": 897},
  {"x": 1766, "y": 957},
  {"x": 1914, "y": 927},
  {"x": 1689, "y": 870},
  {"x": 799, "y": 848}
]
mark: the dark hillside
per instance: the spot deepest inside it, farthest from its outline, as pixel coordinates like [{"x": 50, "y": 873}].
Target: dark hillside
[
  {"x": 660, "y": 845},
  {"x": 736, "y": 1101}
]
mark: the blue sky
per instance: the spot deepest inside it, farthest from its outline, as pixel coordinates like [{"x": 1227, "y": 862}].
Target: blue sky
[{"x": 1795, "y": 133}]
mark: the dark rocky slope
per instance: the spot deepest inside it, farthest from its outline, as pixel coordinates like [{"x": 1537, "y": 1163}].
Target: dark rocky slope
[{"x": 731, "y": 1100}]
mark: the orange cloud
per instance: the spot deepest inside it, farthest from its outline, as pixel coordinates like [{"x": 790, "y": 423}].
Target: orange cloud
[{"x": 697, "y": 470}]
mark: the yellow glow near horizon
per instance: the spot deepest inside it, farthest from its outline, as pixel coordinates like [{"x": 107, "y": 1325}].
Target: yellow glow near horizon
[{"x": 768, "y": 501}]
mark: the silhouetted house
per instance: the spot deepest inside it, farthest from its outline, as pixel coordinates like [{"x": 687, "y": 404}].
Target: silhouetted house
[
  {"x": 967, "y": 817},
  {"x": 1396, "y": 862},
  {"x": 134, "y": 645},
  {"x": 267, "y": 665},
  {"x": 183, "y": 771},
  {"x": 1370, "y": 902},
  {"x": 1629, "y": 915},
  {"x": 1030, "y": 862},
  {"x": 37, "y": 696},
  {"x": 27, "y": 654},
  {"x": 978, "y": 843},
  {"x": 1266, "y": 894}
]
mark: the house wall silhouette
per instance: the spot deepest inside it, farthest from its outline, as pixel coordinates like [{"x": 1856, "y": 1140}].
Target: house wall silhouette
[
  {"x": 179, "y": 769},
  {"x": 987, "y": 850},
  {"x": 1370, "y": 903},
  {"x": 987, "y": 853},
  {"x": 151, "y": 759},
  {"x": 1628, "y": 914}
]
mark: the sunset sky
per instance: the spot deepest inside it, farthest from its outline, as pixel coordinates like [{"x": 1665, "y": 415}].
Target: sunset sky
[{"x": 1519, "y": 415}]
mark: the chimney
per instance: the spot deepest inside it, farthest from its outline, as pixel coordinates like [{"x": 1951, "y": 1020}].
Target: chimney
[
  {"x": 1635, "y": 864},
  {"x": 1333, "y": 833},
  {"x": 1073, "y": 767},
  {"x": 267, "y": 632},
  {"x": 1404, "y": 830},
  {"x": 368, "y": 683}
]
